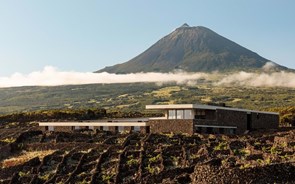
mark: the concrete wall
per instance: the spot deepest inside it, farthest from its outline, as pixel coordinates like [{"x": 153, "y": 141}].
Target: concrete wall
[
  {"x": 172, "y": 125},
  {"x": 264, "y": 121}
]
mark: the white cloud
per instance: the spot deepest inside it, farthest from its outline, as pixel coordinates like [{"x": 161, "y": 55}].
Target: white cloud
[
  {"x": 269, "y": 66},
  {"x": 275, "y": 79},
  {"x": 51, "y": 76}
]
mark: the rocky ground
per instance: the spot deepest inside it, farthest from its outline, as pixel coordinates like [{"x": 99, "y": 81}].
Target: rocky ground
[{"x": 31, "y": 156}]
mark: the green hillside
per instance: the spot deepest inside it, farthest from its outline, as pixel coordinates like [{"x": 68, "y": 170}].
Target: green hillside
[{"x": 134, "y": 97}]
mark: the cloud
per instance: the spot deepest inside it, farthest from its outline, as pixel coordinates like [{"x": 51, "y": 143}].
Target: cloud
[
  {"x": 275, "y": 79},
  {"x": 51, "y": 76},
  {"x": 269, "y": 66}
]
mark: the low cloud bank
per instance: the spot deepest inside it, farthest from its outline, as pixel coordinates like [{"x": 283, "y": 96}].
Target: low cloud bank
[
  {"x": 275, "y": 79},
  {"x": 51, "y": 76}
]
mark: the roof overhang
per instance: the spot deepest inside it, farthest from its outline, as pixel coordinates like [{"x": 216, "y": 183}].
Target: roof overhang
[
  {"x": 200, "y": 106},
  {"x": 66, "y": 124},
  {"x": 178, "y": 106}
]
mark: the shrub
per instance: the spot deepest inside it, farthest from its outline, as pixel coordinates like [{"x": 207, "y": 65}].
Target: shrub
[{"x": 221, "y": 146}]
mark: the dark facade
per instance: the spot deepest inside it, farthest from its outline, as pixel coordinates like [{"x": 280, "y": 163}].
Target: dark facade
[
  {"x": 217, "y": 121},
  {"x": 261, "y": 121}
]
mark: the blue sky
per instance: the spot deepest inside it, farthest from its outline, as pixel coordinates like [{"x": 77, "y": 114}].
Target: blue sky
[{"x": 89, "y": 35}]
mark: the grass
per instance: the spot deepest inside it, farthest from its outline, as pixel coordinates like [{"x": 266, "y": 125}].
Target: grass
[
  {"x": 24, "y": 174},
  {"x": 221, "y": 146},
  {"x": 8, "y": 140},
  {"x": 155, "y": 159},
  {"x": 107, "y": 177},
  {"x": 24, "y": 157},
  {"x": 153, "y": 170},
  {"x": 119, "y": 96},
  {"x": 132, "y": 162},
  {"x": 166, "y": 92},
  {"x": 242, "y": 152}
]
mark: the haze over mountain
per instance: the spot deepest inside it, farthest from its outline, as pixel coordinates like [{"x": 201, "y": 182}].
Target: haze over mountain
[{"x": 193, "y": 49}]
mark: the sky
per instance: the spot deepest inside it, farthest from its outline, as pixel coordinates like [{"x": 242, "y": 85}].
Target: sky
[{"x": 85, "y": 36}]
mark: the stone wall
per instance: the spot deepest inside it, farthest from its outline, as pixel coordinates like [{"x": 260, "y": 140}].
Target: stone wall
[
  {"x": 264, "y": 121},
  {"x": 42, "y": 128},
  {"x": 172, "y": 125},
  {"x": 144, "y": 129},
  {"x": 5, "y": 151},
  {"x": 63, "y": 129}
]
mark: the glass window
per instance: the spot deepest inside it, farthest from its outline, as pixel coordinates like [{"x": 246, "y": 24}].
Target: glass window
[
  {"x": 171, "y": 114},
  {"x": 136, "y": 129},
  {"x": 179, "y": 114},
  {"x": 200, "y": 114},
  {"x": 188, "y": 114},
  {"x": 51, "y": 128},
  {"x": 199, "y": 129},
  {"x": 105, "y": 128},
  {"x": 232, "y": 131},
  {"x": 120, "y": 128},
  {"x": 209, "y": 130}
]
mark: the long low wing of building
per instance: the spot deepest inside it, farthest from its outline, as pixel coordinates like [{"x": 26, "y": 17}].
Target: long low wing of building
[
  {"x": 191, "y": 118},
  {"x": 120, "y": 125}
]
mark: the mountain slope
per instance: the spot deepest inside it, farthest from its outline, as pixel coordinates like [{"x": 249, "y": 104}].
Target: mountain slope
[{"x": 193, "y": 49}]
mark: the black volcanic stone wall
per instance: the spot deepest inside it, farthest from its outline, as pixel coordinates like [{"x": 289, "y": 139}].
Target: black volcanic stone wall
[
  {"x": 233, "y": 118},
  {"x": 172, "y": 125},
  {"x": 228, "y": 118},
  {"x": 42, "y": 128},
  {"x": 210, "y": 114},
  {"x": 264, "y": 121}
]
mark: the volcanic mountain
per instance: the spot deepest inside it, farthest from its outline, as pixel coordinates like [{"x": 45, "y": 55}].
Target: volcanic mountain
[{"x": 193, "y": 49}]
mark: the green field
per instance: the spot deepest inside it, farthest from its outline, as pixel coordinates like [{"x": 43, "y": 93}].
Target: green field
[{"x": 134, "y": 97}]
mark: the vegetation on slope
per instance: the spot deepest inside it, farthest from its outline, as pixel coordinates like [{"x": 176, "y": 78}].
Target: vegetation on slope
[
  {"x": 134, "y": 97},
  {"x": 287, "y": 115}
]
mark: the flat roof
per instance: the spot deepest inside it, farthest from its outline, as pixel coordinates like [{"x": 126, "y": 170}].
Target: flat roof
[
  {"x": 100, "y": 123},
  {"x": 201, "y": 106}
]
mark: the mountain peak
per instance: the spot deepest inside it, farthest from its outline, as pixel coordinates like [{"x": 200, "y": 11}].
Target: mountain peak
[
  {"x": 184, "y": 25},
  {"x": 192, "y": 49}
]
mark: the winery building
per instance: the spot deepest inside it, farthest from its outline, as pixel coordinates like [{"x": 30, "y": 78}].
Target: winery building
[{"x": 181, "y": 118}]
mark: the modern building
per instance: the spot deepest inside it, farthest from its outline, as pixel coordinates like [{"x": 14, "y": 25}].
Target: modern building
[
  {"x": 191, "y": 118},
  {"x": 181, "y": 118}
]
